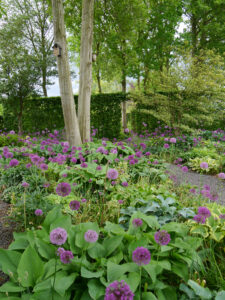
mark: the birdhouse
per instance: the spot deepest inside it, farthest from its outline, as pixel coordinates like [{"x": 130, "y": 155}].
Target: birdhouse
[
  {"x": 94, "y": 57},
  {"x": 57, "y": 50}
]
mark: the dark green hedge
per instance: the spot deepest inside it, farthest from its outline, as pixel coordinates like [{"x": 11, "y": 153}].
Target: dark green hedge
[{"x": 44, "y": 113}]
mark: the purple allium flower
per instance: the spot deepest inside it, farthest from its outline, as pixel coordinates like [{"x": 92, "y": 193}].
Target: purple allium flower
[
  {"x": 184, "y": 169},
  {"x": 166, "y": 146},
  {"x": 91, "y": 236},
  {"x": 25, "y": 184},
  {"x": 35, "y": 159},
  {"x": 13, "y": 163},
  {"x": 38, "y": 212},
  {"x": 58, "y": 236},
  {"x": 64, "y": 175},
  {"x": 124, "y": 183},
  {"x": 141, "y": 256},
  {"x": 84, "y": 165},
  {"x": 59, "y": 251},
  {"x": 137, "y": 222},
  {"x": 28, "y": 166},
  {"x": 73, "y": 160},
  {"x": 221, "y": 175},
  {"x": 74, "y": 205},
  {"x": 173, "y": 140},
  {"x": 204, "y": 211},
  {"x": 83, "y": 200},
  {"x": 120, "y": 201},
  {"x": 112, "y": 174},
  {"x": 162, "y": 237},
  {"x": 63, "y": 189},
  {"x": 199, "y": 219},
  {"x": 118, "y": 291},
  {"x": 207, "y": 187},
  {"x": 193, "y": 191},
  {"x": 44, "y": 167},
  {"x": 66, "y": 256},
  {"x": 46, "y": 185},
  {"x": 222, "y": 216},
  {"x": 204, "y": 165},
  {"x": 98, "y": 168},
  {"x": 126, "y": 130}
]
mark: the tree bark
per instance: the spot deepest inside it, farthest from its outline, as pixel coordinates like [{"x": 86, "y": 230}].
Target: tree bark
[
  {"x": 194, "y": 34},
  {"x": 99, "y": 81},
  {"x": 66, "y": 92},
  {"x": 124, "y": 85},
  {"x": 84, "y": 99}
]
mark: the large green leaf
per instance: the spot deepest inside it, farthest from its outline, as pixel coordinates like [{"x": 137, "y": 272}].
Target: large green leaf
[
  {"x": 95, "y": 289},
  {"x": 30, "y": 267},
  {"x": 88, "y": 274},
  {"x": 63, "y": 281},
  {"x": 203, "y": 293},
  {"x": 63, "y": 222},
  {"x": 9, "y": 261},
  {"x": 97, "y": 251},
  {"x": 45, "y": 249},
  {"x": 220, "y": 296},
  {"x": 148, "y": 296},
  {"x": 11, "y": 287},
  {"x": 51, "y": 217},
  {"x": 111, "y": 243}
]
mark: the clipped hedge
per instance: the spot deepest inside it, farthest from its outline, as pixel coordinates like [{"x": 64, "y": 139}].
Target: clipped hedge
[{"x": 42, "y": 113}]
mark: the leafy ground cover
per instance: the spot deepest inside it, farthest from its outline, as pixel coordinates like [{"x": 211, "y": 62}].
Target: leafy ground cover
[{"x": 108, "y": 221}]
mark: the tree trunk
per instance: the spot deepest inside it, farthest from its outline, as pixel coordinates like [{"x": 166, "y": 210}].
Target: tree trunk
[
  {"x": 124, "y": 85},
  {"x": 194, "y": 34},
  {"x": 99, "y": 81},
  {"x": 66, "y": 92},
  {"x": 139, "y": 82},
  {"x": 84, "y": 99},
  {"x": 44, "y": 82}
]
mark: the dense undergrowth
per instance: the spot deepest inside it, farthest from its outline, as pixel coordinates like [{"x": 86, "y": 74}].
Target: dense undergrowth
[{"x": 91, "y": 216}]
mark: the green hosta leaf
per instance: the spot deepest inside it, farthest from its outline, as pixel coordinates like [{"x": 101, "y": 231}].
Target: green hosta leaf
[
  {"x": 218, "y": 236},
  {"x": 187, "y": 291},
  {"x": 179, "y": 228},
  {"x": 63, "y": 222},
  {"x": 203, "y": 293},
  {"x": 88, "y": 274},
  {"x": 133, "y": 280},
  {"x": 95, "y": 289},
  {"x": 113, "y": 270},
  {"x": 45, "y": 249},
  {"x": 148, "y": 296},
  {"x": 97, "y": 251},
  {"x": 110, "y": 244},
  {"x": 43, "y": 286},
  {"x": 63, "y": 281},
  {"x": 30, "y": 267},
  {"x": 114, "y": 228},
  {"x": 51, "y": 217},
  {"x": 220, "y": 296},
  {"x": 11, "y": 287},
  {"x": 9, "y": 261},
  {"x": 199, "y": 229},
  {"x": 19, "y": 244},
  {"x": 165, "y": 264},
  {"x": 49, "y": 268},
  {"x": 181, "y": 270}
]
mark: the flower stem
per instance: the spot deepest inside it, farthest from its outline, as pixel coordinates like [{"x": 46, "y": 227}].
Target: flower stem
[
  {"x": 54, "y": 280},
  {"x": 140, "y": 285}
]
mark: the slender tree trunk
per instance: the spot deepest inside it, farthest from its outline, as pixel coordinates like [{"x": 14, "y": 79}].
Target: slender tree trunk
[
  {"x": 99, "y": 81},
  {"x": 44, "y": 82},
  {"x": 146, "y": 78},
  {"x": 66, "y": 92},
  {"x": 124, "y": 85},
  {"x": 139, "y": 82},
  {"x": 84, "y": 99},
  {"x": 194, "y": 34}
]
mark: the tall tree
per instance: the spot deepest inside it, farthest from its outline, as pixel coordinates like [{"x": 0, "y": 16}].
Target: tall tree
[
  {"x": 38, "y": 34},
  {"x": 85, "y": 81},
  {"x": 66, "y": 92}
]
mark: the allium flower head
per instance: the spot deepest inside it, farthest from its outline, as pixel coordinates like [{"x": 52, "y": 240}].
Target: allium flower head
[
  {"x": 84, "y": 165},
  {"x": 162, "y": 237},
  {"x": 44, "y": 167},
  {"x": 112, "y": 174},
  {"x": 221, "y": 175},
  {"x": 137, "y": 222},
  {"x": 118, "y": 291},
  {"x": 199, "y": 219},
  {"x": 38, "y": 212},
  {"x": 13, "y": 163},
  {"x": 166, "y": 146},
  {"x": 184, "y": 169},
  {"x": 66, "y": 256},
  {"x": 120, "y": 201},
  {"x": 91, "y": 236},
  {"x": 222, "y": 216},
  {"x": 74, "y": 205},
  {"x": 141, "y": 256},
  {"x": 173, "y": 140},
  {"x": 204, "y": 165},
  {"x": 63, "y": 189},
  {"x": 58, "y": 236},
  {"x": 124, "y": 183},
  {"x": 59, "y": 251},
  {"x": 25, "y": 184},
  {"x": 204, "y": 211}
]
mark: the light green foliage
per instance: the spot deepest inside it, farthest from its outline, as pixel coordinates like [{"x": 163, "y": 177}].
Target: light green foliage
[{"x": 213, "y": 165}]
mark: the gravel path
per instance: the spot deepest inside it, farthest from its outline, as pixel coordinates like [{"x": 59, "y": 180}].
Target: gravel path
[
  {"x": 217, "y": 186},
  {"x": 6, "y": 232}
]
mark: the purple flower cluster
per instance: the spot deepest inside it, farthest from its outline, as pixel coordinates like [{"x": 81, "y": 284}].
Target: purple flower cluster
[
  {"x": 91, "y": 236},
  {"x": 118, "y": 291},
  {"x": 203, "y": 214},
  {"x": 112, "y": 174},
  {"x": 74, "y": 205},
  {"x": 38, "y": 212},
  {"x": 63, "y": 189},
  {"x": 162, "y": 237},
  {"x": 58, "y": 236},
  {"x": 137, "y": 222},
  {"x": 141, "y": 256}
]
